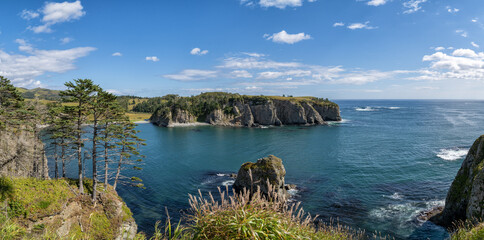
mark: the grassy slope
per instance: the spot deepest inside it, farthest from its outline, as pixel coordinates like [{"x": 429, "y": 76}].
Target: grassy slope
[{"x": 33, "y": 201}]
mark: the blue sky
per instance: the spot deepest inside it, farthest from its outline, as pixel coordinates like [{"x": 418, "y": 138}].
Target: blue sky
[{"x": 340, "y": 49}]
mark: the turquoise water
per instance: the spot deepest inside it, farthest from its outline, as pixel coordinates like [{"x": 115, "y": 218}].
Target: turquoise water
[{"x": 376, "y": 170}]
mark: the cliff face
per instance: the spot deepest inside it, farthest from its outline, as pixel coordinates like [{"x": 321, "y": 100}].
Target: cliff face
[
  {"x": 253, "y": 113},
  {"x": 465, "y": 199},
  {"x": 21, "y": 155}
]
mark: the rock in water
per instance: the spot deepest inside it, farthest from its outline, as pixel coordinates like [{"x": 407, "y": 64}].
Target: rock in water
[
  {"x": 465, "y": 199},
  {"x": 268, "y": 168}
]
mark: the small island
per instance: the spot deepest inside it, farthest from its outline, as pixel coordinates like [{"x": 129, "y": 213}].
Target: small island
[{"x": 228, "y": 109}]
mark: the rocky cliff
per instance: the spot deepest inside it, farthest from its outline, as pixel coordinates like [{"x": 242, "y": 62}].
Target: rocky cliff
[
  {"x": 22, "y": 155},
  {"x": 465, "y": 199},
  {"x": 253, "y": 112}
]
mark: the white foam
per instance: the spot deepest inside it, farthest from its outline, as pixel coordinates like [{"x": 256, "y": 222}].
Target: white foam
[
  {"x": 292, "y": 192},
  {"x": 228, "y": 183},
  {"x": 188, "y": 124},
  {"x": 404, "y": 211},
  {"x": 395, "y": 196},
  {"x": 365, "y": 109},
  {"x": 393, "y": 108},
  {"x": 221, "y": 175},
  {"x": 452, "y": 154}
]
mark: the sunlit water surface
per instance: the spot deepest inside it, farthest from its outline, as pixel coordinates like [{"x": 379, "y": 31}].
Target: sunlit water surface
[{"x": 376, "y": 170}]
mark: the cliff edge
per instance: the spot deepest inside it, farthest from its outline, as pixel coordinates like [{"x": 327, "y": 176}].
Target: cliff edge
[
  {"x": 465, "y": 199},
  {"x": 226, "y": 109}
]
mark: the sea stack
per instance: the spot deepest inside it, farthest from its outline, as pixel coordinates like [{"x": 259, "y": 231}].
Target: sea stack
[
  {"x": 265, "y": 169},
  {"x": 465, "y": 199}
]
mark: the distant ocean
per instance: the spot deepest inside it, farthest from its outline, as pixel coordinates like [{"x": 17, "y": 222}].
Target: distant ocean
[{"x": 376, "y": 170}]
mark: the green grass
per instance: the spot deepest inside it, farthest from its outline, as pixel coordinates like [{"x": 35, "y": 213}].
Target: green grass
[{"x": 469, "y": 231}]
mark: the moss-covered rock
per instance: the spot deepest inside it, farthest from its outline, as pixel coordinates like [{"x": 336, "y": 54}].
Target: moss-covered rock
[
  {"x": 465, "y": 199},
  {"x": 254, "y": 175}
]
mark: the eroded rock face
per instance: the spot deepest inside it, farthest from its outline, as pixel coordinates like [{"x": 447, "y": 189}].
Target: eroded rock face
[
  {"x": 22, "y": 155},
  {"x": 265, "y": 169},
  {"x": 252, "y": 114},
  {"x": 465, "y": 199}
]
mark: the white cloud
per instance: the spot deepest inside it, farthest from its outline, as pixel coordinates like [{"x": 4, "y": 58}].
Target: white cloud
[
  {"x": 376, "y": 2},
  {"x": 257, "y": 55},
  {"x": 462, "y": 64},
  {"x": 240, "y": 74},
  {"x": 152, "y": 58},
  {"x": 66, "y": 40},
  {"x": 198, "y": 51},
  {"x": 475, "y": 44},
  {"x": 22, "y": 69},
  {"x": 452, "y": 10},
  {"x": 338, "y": 24},
  {"x": 365, "y": 25},
  {"x": 192, "y": 75},
  {"x": 284, "y": 37},
  {"x": 439, "y": 48},
  {"x": 274, "y": 75},
  {"x": 117, "y": 54},
  {"x": 281, "y": 4},
  {"x": 461, "y": 32},
  {"x": 413, "y": 6},
  {"x": 27, "y": 14},
  {"x": 255, "y": 63},
  {"x": 54, "y": 13}
]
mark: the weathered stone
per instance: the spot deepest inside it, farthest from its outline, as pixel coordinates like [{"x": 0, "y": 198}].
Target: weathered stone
[
  {"x": 465, "y": 199},
  {"x": 328, "y": 113},
  {"x": 290, "y": 113},
  {"x": 254, "y": 175},
  {"x": 22, "y": 155}
]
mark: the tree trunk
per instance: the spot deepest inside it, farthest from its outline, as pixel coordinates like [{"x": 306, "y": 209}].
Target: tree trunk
[
  {"x": 118, "y": 171},
  {"x": 79, "y": 150},
  {"x": 94, "y": 161},
  {"x": 106, "y": 157},
  {"x": 56, "y": 170},
  {"x": 63, "y": 158}
]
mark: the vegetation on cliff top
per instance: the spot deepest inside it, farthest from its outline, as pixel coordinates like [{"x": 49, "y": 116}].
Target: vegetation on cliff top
[{"x": 203, "y": 104}]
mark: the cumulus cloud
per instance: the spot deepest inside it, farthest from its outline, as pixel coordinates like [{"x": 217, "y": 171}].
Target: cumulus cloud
[
  {"x": 284, "y": 37},
  {"x": 192, "y": 75},
  {"x": 240, "y": 74},
  {"x": 412, "y": 6},
  {"x": 117, "y": 54},
  {"x": 152, "y": 58},
  {"x": 475, "y": 44},
  {"x": 27, "y": 14},
  {"x": 439, "y": 48},
  {"x": 461, "y": 32},
  {"x": 365, "y": 25},
  {"x": 255, "y": 63},
  {"x": 376, "y": 2},
  {"x": 461, "y": 64},
  {"x": 54, "y": 13},
  {"x": 281, "y": 4},
  {"x": 23, "y": 68},
  {"x": 198, "y": 51},
  {"x": 338, "y": 24},
  {"x": 452, "y": 10},
  {"x": 66, "y": 40}
]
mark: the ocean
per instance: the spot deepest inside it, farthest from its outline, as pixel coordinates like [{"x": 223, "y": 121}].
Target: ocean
[{"x": 376, "y": 170}]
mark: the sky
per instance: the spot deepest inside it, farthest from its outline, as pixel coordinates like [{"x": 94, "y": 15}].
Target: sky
[{"x": 337, "y": 49}]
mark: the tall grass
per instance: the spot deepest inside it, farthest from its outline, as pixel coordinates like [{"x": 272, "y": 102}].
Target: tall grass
[
  {"x": 468, "y": 230},
  {"x": 251, "y": 216}
]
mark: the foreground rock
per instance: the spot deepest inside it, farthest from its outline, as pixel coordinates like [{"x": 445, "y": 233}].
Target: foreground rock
[
  {"x": 465, "y": 199},
  {"x": 250, "y": 111},
  {"x": 254, "y": 175}
]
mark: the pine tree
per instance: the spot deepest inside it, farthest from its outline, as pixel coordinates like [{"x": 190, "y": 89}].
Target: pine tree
[{"x": 81, "y": 93}]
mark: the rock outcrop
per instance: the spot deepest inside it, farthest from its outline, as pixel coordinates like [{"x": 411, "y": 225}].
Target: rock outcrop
[
  {"x": 254, "y": 175},
  {"x": 22, "y": 155},
  {"x": 465, "y": 199},
  {"x": 254, "y": 113}
]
